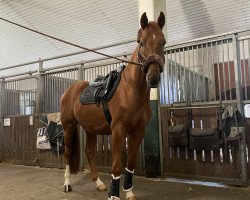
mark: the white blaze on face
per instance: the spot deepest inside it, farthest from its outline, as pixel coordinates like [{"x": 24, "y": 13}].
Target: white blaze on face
[{"x": 154, "y": 36}]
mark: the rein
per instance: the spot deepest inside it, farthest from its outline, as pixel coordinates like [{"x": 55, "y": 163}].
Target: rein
[
  {"x": 70, "y": 43},
  {"x": 143, "y": 62}
]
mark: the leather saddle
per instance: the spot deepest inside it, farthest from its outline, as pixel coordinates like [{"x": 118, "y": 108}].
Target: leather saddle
[{"x": 102, "y": 88}]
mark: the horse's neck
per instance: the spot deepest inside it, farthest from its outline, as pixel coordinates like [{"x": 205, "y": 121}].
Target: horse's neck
[{"x": 135, "y": 79}]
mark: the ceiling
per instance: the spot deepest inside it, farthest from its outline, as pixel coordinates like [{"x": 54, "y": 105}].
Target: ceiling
[
  {"x": 97, "y": 23},
  {"x": 198, "y": 18},
  {"x": 87, "y": 23}
]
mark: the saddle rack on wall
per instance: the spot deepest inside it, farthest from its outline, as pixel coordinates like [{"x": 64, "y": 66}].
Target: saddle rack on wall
[{"x": 194, "y": 133}]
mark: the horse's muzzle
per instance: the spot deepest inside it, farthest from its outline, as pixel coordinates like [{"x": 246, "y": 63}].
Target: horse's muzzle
[
  {"x": 153, "y": 81},
  {"x": 149, "y": 66}
]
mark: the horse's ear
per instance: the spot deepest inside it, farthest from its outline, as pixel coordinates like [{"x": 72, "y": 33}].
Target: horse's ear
[
  {"x": 144, "y": 20},
  {"x": 161, "y": 20}
]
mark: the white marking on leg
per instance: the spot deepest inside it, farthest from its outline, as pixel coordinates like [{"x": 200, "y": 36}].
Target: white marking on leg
[
  {"x": 98, "y": 182},
  {"x": 67, "y": 176},
  {"x": 129, "y": 193},
  {"x": 113, "y": 198}
]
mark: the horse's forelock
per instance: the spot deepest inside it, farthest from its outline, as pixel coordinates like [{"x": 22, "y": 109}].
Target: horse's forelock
[{"x": 153, "y": 29}]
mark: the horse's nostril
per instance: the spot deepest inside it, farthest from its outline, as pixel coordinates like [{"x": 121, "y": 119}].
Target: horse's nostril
[{"x": 153, "y": 81}]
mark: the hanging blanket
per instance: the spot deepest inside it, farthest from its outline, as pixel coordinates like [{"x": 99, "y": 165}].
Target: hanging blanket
[{"x": 55, "y": 132}]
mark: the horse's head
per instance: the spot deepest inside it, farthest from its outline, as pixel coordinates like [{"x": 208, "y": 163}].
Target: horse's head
[{"x": 151, "y": 48}]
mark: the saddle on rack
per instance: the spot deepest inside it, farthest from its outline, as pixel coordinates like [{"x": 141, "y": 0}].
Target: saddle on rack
[{"x": 102, "y": 88}]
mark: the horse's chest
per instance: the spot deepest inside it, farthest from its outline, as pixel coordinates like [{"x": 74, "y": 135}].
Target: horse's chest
[{"x": 135, "y": 118}]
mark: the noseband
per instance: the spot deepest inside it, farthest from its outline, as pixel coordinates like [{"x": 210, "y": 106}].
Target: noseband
[{"x": 146, "y": 62}]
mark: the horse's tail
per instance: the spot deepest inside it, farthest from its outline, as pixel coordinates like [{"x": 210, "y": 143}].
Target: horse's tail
[{"x": 74, "y": 160}]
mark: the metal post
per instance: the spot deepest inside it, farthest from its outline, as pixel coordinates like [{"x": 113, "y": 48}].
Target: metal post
[
  {"x": 82, "y": 138},
  {"x": 160, "y": 135},
  {"x": 40, "y": 90},
  {"x": 238, "y": 86},
  {"x": 39, "y": 99},
  {"x": 2, "y": 97}
]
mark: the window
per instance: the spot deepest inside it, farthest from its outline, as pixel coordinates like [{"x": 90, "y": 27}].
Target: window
[{"x": 27, "y": 102}]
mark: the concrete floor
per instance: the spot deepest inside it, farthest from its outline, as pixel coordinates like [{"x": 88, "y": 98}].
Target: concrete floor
[{"x": 34, "y": 183}]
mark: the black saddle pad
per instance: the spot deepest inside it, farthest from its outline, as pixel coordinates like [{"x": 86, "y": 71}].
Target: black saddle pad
[{"x": 102, "y": 89}]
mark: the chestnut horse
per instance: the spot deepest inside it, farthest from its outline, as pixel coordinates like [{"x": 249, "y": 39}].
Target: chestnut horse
[{"x": 129, "y": 108}]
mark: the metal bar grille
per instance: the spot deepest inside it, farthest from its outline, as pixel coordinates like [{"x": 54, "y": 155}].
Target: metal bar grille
[
  {"x": 55, "y": 84},
  {"x": 200, "y": 73},
  {"x": 19, "y": 97},
  {"x": 245, "y": 71}
]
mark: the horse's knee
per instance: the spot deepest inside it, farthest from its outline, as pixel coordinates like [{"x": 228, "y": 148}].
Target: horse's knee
[{"x": 117, "y": 169}]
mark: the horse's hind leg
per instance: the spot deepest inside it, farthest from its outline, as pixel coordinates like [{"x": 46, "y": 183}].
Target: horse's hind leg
[
  {"x": 67, "y": 186},
  {"x": 90, "y": 153},
  {"x": 71, "y": 153}
]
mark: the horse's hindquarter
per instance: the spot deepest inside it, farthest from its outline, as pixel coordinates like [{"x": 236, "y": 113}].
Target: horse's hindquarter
[{"x": 90, "y": 116}]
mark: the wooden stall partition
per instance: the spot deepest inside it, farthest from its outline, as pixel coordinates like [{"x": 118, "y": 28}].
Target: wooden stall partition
[
  {"x": 104, "y": 155},
  {"x": 176, "y": 161},
  {"x": 19, "y": 140},
  {"x": 247, "y": 127},
  {"x": 197, "y": 164}
]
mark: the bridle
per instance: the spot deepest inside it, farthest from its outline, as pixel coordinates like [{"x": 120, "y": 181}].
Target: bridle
[{"x": 147, "y": 61}]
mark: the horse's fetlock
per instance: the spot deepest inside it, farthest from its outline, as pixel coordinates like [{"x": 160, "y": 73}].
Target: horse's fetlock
[{"x": 128, "y": 180}]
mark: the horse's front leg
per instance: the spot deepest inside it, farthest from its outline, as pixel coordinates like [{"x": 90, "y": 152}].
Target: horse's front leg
[
  {"x": 134, "y": 142},
  {"x": 118, "y": 140}
]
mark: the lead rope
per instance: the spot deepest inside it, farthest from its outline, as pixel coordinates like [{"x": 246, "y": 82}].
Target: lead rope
[{"x": 70, "y": 43}]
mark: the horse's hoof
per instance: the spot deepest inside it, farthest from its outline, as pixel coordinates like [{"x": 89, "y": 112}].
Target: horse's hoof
[
  {"x": 113, "y": 198},
  {"x": 67, "y": 188},
  {"x": 131, "y": 198},
  {"x": 101, "y": 188}
]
